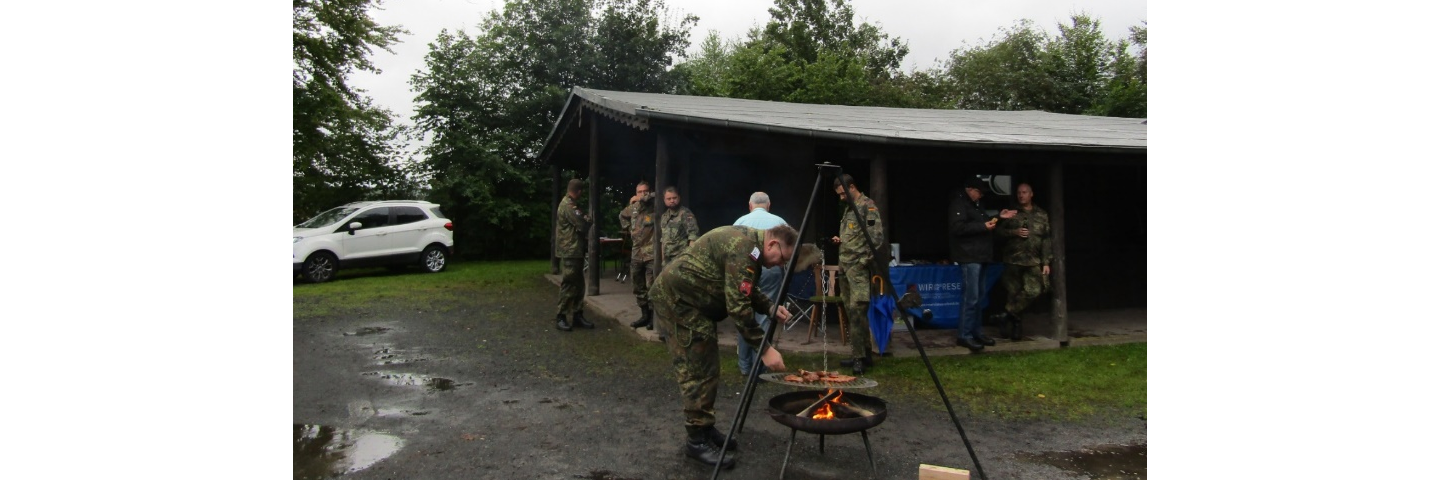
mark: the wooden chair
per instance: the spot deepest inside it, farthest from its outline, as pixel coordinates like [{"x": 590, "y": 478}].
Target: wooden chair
[{"x": 826, "y": 292}]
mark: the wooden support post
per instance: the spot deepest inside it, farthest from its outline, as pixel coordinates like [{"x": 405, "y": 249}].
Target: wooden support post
[
  {"x": 1058, "y": 312},
  {"x": 662, "y": 181},
  {"x": 880, "y": 194},
  {"x": 593, "y": 255},
  {"x": 555, "y": 194}
]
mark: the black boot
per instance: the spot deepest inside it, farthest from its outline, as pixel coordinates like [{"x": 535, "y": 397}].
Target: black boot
[
  {"x": 646, "y": 320},
  {"x": 716, "y": 438},
  {"x": 579, "y": 320},
  {"x": 698, "y": 447},
  {"x": 561, "y": 324},
  {"x": 965, "y": 342},
  {"x": 1015, "y": 329}
]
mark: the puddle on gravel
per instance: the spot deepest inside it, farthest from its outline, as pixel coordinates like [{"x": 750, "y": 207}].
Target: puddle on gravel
[
  {"x": 328, "y": 452},
  {"x": 432, "y": 384},
  {"x": 367, "y": 331},
  {"x": 1106, "y": 462},
  {"x": 386, "y": 356}
]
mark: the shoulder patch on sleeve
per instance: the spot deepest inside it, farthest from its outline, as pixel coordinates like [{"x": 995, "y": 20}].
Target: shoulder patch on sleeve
[
  {"x": 755, "y": 253},
  {"x": 745, "y": 287}
]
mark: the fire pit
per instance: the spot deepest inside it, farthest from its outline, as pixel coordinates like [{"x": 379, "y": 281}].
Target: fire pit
[{"x": 839, "y": 413}]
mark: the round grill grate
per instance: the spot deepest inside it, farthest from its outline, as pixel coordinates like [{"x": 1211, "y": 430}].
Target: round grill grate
[{"x": 779, "y": 378}]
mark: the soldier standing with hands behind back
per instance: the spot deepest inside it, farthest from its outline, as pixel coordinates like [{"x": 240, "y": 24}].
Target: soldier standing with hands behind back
[
  {"x": 570, "y": 248},
  {"x": 677, "y": 226}
]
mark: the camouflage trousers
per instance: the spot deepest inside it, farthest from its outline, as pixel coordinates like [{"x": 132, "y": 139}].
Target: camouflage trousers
[
  {"x": 855, "y": 291},
  {"x": 571, "y": 284},
  {"x": 694, "y": 353},
  {"x": 642, "y": 275},
  {"x": 1022, "y": 285}
]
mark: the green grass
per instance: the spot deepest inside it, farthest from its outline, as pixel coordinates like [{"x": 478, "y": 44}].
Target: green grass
[
  {"x": 1074, "y": 383},
  {"x": 354, "y": 291}
]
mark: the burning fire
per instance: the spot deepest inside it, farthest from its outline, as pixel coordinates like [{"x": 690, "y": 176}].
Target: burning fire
[{"x": 824, "y": 412}]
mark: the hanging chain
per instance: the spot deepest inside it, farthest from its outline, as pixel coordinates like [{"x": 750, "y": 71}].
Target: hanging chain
[{"x": 825, "y": 289}]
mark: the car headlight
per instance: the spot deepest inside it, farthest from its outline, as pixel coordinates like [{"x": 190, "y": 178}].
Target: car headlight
[{"x": 297, "y": 240}]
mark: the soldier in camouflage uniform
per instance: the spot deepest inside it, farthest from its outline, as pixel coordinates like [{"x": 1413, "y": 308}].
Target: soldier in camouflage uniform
[
  {"x": 856, "y": 266},
  {"x": 638, "y": 220},
  {"x": 677, "y": 231},
  {"x": 717, "y": 277},
  {"x": 677, "y": 227},
  {"x": 570, "y": 226},
  {"x": 1027, "y": 256}
]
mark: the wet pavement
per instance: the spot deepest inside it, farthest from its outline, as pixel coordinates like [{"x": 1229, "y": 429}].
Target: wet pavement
[{"x": 489, "y": 389}]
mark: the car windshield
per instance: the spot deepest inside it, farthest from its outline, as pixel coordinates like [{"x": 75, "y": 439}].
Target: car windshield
[{"x": 329, "y": 217}]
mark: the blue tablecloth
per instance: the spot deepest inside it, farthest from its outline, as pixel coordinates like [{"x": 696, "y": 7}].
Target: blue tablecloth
[{"x": 940, "y": 289}]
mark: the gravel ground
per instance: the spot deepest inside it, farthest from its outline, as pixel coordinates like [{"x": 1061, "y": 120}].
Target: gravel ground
[{"x": 489, "y": 389}]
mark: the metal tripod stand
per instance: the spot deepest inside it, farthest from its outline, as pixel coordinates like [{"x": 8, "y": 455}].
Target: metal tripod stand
[{"x": 748, "y": 396}]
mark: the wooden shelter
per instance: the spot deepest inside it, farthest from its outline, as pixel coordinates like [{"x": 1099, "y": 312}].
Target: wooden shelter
[{"x": 1088, "y": 172}]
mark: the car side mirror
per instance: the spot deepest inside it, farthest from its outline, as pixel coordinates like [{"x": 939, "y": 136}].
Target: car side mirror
[{"x": 353, "y": 227}]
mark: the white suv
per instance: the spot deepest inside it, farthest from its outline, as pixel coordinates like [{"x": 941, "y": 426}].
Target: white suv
[{"x": 360, "y": 234}]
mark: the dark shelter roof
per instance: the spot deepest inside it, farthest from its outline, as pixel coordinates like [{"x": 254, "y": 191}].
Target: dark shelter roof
[
  {"x": 896, "y": 126},
  {"x": 718, "y": 150}
]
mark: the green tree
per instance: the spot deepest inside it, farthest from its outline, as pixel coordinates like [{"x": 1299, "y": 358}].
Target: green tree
[
  {"x": 918, "y": 89},
  {"x": 1139, "y": 34},
  {"x": 1126, "y": 91},
  {"x": 1006, "y": 74},
  {"x": 809, "y": 27},
  {"x": 1080, "y": 63},
  {"x": 810, "y": 51},
  {"x": 488, "y": 102},
  {"x": 344, "y": 148},
  {"x": 705, "y": 74},
  {"x": 1077, "y": 71},
  {"x": 1125, "y": 96},
  {"x": 758, "y": 70}
]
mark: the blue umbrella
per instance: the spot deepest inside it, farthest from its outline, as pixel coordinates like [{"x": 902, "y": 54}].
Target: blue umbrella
[{"x": 882, "y": 310}]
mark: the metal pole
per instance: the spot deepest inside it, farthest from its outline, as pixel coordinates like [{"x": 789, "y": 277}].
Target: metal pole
[{"x": 749, "y": 393}]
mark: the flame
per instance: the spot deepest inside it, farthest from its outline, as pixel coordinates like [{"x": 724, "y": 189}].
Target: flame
[{"x": 824, "y": 412}]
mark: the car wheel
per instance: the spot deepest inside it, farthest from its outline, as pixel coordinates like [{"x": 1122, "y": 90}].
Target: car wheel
[
  {"x": 433, "y": 259},
  {"x": 320, "y": 267}
]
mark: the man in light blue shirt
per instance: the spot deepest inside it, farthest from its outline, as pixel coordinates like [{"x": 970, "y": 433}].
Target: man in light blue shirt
[{"x": 760, "y": 218}]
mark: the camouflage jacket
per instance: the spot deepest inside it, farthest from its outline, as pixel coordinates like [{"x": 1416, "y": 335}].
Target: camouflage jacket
[
  {"x": 570, "y": 227},
  {"x": 677, "y": 230},
  {"x": 1033, "y": 251},
  {"x": 853, "y": 247},
  {"x": 719, "y": 276},
  {"x": 638, "y": 221}
]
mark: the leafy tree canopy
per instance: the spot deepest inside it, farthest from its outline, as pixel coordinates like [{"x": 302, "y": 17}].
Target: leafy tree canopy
[
  {"x": 344, "y": 148},
  {"x": 1076, "y": 71},
  {"x": 488, "y": 102}
]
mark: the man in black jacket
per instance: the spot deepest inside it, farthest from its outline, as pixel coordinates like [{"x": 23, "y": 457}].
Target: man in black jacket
[{"x": 971, "y": 246}]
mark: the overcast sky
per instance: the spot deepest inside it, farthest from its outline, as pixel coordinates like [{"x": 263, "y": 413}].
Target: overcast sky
[{"x": 932, "y": 28}]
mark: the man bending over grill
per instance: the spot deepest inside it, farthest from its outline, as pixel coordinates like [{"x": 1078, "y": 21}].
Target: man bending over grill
[{"x": 717, "y": 277}]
